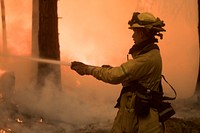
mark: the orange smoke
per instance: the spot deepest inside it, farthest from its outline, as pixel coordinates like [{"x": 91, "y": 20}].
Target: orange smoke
[
  {"x": 96, "y": 32},
  {"x": 18, "y": 21}
]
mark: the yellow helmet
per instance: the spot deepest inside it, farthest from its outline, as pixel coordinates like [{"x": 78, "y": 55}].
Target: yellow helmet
[{"x": 146, "y": 20}]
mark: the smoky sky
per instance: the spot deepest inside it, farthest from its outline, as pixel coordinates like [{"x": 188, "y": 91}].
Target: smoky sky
[{"x": 96, "y": 32}]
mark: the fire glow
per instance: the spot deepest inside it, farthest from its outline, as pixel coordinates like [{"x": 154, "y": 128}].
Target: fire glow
[
  {"x": 95, "y": 32},
  {"x": 8, "y": 130}
]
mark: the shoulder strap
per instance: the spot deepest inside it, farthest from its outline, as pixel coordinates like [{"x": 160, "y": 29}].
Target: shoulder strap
[{"x": 169, "y": 98}]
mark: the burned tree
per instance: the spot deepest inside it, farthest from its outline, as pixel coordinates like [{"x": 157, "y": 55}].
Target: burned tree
[{"x": 47, "y": 40}]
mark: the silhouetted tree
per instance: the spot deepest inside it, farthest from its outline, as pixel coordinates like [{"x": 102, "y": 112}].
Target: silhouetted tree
[
  {"x": 198, "y": 80},
  {"x": 48, "y": 44}
]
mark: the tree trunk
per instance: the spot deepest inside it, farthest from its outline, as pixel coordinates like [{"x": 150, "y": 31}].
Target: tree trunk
[
  {"x": 198, "y": 80},
  {"x": 48, "y": 44},
  {"x": 3, "y": 27}
]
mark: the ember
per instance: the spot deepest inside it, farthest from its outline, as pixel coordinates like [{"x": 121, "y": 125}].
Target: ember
[
  {"x": 40, "y": 120},
  {"x": 5, "y": 130},
  {"x": 2, "y": 72},
  {"x": 19, "y": 121},
  {"x": 2, "y": 131}
]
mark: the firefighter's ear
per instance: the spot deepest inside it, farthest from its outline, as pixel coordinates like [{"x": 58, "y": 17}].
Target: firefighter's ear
[{"x": 142, "y": 34}]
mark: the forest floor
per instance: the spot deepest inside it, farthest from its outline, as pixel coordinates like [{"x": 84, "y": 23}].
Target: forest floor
[{"x": 186, "y": 120}]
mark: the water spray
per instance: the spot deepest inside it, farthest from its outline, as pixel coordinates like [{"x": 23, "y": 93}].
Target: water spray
[
  {"x": 49, "y": 61},
  {"x": 22, "y": 57},
  {"x": 46, "y": 61}
]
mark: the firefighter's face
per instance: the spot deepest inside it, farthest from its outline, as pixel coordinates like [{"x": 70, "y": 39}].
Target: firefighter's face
[{"x": 138, "y": 35}]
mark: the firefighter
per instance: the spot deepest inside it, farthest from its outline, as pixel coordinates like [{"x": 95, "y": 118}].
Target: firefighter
[{"x": 144, "y": 69}]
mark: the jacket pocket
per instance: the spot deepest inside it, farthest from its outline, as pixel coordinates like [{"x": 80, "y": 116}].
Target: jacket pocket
[{"x": 142, "y": 106}]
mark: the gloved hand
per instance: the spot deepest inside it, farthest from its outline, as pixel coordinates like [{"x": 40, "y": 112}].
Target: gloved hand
[{"x": 79, "y": 67}]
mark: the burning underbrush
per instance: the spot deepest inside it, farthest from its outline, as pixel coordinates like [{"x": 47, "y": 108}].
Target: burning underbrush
[
  {"x": 27, "y": 113},
  {"x": 14, "y": 121}
]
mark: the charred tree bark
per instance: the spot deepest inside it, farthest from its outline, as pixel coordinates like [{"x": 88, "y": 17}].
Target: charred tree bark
[{"x": 48, "y": 43}]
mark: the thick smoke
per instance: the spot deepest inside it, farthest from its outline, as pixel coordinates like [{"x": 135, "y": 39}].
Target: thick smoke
[
  {"x": 74, "y": 105},
  {"x": 79, "y": 105},
  {"x": 95, "y": 32}
]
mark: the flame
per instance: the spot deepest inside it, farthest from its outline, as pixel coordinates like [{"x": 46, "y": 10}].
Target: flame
[
  {"x": 2, "y": 131},
  {"x": 2, "y": 72},
  {"x": 5, "y": 130},
  {"x": 19, "y": 121},
  {"x": 40, "y": 120}
]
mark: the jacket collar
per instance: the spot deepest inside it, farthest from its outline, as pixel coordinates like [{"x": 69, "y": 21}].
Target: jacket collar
[{"x": 144, "y": 47}]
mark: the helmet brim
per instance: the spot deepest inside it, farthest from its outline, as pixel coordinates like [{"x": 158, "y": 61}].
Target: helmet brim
[{"x": 136, "y": 25}]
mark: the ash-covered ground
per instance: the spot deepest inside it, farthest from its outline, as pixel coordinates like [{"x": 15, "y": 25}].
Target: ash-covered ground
[
  {"x": 19, "y": 118},
  {"x": 186, "y": 120},
  {"x": 25, "y": 111},
  {"x": 14, "y": 120},
  {"x": 187, "y": 117}
]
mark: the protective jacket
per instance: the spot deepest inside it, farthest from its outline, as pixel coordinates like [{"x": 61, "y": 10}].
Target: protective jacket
[{"x": 145, "y": 67}]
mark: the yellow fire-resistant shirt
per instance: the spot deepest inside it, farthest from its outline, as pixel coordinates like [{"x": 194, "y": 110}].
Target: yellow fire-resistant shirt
[{"x": 146, "y": 69}]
